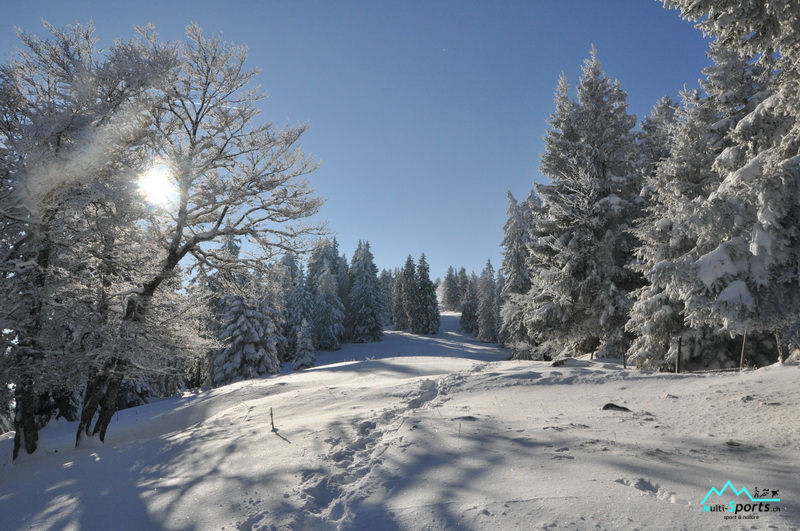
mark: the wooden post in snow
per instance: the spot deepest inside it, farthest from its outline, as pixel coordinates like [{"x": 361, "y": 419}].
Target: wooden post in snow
[
  {"x": 272, "y": 420},
  {"x": 744, "y": 342}
]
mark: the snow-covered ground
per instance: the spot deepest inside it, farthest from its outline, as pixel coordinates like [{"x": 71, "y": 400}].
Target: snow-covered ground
[{"x": 429, "y": 433}]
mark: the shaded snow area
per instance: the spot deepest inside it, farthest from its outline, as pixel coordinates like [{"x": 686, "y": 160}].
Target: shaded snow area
[{"x": 429, "y": 442}]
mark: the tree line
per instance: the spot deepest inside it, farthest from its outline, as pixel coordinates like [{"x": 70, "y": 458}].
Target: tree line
[
  {"x": 478, "y": 299},
  {"x": 681, "y": 236}
]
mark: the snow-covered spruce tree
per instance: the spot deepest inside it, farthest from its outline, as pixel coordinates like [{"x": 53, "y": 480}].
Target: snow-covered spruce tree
[
  {"x": 400, "y": 319},
  {"x": 386, "y": 288},
  {"x": 324, "y": 255},
  {"x": 425, "y": 304},
  {"x": 670, "y": 232},
  {"x": 463, "y": 282},
  {"x": 250, "y": 337},
  {"x": 304, "y": 350},
  {"x": 752, "y": 273},
  {"x": 652, "y": 141},
  {"x": 343, "y": 289},
  {"x": 439, "y": 285},
  {"x": 71, "y": 128},
  {"x": 580, "y": 284},
  {"x": 516, "y": 279},
  {"x": 364, "y": 320},
  {"x": 298, "y": 308},
  {"x": 469, "y": 306},
  {"x": 407, "y": 286},
  {"x": 515, "y": 248},
  {"x": 487, "y": 298},
  {"x": 328, "y": 313},
  {"x": 295, "y": 304},
  {"x": 231, "y": 177},
  {"x": 288, "y": 275},
  {"x": 499, "y": 300},
  {"x": 450, "y": 295}
]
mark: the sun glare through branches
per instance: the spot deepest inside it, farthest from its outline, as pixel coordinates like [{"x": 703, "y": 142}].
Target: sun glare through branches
[{"x": 157, "y": 185}]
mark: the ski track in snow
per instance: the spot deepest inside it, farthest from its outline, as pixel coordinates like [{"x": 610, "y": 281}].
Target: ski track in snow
[{"x": 422, "y": 442}]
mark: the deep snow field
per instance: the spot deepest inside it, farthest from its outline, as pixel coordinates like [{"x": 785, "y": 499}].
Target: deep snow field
[{"x": 428, "y": 433}]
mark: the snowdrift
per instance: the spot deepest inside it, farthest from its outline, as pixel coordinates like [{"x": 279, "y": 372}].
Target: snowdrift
[{"x": 423, "y": 442}]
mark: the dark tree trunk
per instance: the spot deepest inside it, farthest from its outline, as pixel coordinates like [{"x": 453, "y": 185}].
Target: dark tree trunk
[
  {"x": 26, "y": 430},
  {"x": 91, "y": 401},
  {"x": 109, "y": 404},
  {"x": 27, "y": 403},
  {"x": 103, "y": 389}
]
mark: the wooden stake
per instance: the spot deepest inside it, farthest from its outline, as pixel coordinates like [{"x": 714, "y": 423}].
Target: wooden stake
[
  {"x": 744, "y": 342},
  {"x": 272, "y": 420},
  {"x": 678, "y": 358},
  {"x": 781, "y": 357}
]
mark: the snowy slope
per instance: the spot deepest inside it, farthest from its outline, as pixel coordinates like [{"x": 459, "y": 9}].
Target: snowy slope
[{"x": 427, "y": 442}]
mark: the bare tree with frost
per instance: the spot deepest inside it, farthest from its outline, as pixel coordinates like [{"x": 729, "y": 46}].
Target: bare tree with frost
[
  {"x": 70, "y": 120},
  {"x": 224, "y": 175}
]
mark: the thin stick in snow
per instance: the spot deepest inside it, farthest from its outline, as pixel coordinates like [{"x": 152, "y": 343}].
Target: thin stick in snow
[
  {"x": 744, "y": 342},
  {"x": 272, "y": 420}
]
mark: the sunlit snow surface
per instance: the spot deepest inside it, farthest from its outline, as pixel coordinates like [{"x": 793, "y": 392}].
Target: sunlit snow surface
[{"x": 426, "y": 442}]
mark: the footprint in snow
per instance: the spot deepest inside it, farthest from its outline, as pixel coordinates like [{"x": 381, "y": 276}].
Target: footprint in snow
[{"x": 650, "y": 488}]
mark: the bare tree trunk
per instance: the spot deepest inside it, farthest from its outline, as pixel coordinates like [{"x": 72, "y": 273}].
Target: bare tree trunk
[{"x": 678, "y": 357}]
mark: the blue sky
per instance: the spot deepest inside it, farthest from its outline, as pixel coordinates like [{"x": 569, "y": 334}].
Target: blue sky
[{"x": 423, "y": 113}]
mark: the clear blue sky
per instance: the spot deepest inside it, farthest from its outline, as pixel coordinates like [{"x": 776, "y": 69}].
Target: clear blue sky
[{"x": 423, "y": 113}]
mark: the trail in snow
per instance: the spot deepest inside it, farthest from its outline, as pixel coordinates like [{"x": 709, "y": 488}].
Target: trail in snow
[
  {"x": 450, "y": 342},
  {"x": 422, "y": 442}
]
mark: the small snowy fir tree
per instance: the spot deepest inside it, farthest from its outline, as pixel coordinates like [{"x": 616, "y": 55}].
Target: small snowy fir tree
[
  {"x": 364, "y": 319},
  {"x": 304, "y": 349},
  {"x": 399, "y": 315},
  {"x": 469, "y": 306},
  {"x": 516, "y": 276},
  {"x": 450, "y": 295},
  {"x": 250, "y": 337},
  {"x": 342, "y": 274},
  {"x": 288, "y": 276},
  {"x": 462, "y": 281},
  {"x": 499, "y": 301},
  {"x": 426, "y": 307},
  {"x": 386, "y": 288},
  {"x": 298, "y": 308},
  {"x": 324, "y": 255},
  {"x": 487, "y": 302},
  {"x": 408, "y": 295},
  {"x": 328, "y": 313}
]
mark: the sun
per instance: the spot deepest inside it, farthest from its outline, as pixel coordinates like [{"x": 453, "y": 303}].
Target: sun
[{"x": 157, "y": 185}]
